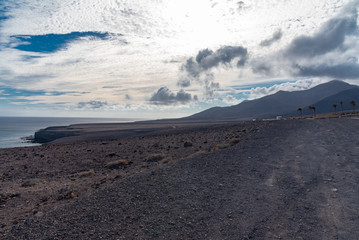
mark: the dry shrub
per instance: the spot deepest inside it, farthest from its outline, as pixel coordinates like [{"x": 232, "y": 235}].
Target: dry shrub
[
  {"x": 196, "y": 154},
  {"x": 155, "y": 157},
  {"x": 86, "y": 173},
  {"x": 234, "y": 141},
  {"x": 221, "y": 146},
  {"x": 117, "y": 164},
  {"x": 167, "y": 160}
]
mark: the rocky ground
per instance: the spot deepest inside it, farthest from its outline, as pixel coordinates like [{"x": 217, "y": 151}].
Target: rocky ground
[
  {"x": 36, "y": 180},
  {"x": 289, "y": 179}
]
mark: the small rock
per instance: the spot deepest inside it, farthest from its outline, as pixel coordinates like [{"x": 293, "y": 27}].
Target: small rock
[
  {"x": 44, "y": 199},
  {"x": 28, "y": 183},
  {"x": 117, "y": 164},
  {"x": 38, "y": 214},
  {"x": 187, "y": 144},
  {"x": 65, "y": 194}
]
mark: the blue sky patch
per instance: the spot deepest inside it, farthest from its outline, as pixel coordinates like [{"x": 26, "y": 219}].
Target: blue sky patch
[
  {"x": 3, "y": 10},
  {"x": 11, "y": 92},
  {"x": 264, "y": 84},
  {"x": 50, "y": 43}
]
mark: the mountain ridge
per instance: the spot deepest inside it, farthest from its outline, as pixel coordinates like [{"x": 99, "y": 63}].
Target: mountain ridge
[{"x": 280, "y": 103}]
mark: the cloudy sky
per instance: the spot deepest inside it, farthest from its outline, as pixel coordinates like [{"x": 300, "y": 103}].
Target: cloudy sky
[{"x": 167, "y": 58}]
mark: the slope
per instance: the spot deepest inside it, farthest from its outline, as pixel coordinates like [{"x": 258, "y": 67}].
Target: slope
[
  {"x": 279, "y": 103},
  {"x": 326, "y": 105}
]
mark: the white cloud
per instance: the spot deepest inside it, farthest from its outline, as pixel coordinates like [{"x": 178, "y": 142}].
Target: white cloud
[
  {"x": 156, "y": 32},
  {"x": 287, "y": 86},
  {"x": 230, "y": 100}
]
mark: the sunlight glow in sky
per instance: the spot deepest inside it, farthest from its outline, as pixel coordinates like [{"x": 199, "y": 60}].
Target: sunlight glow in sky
[{"x": 157, "y": 58}]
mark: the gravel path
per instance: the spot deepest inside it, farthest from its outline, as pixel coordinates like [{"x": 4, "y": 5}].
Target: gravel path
[{"x": 292, "y": 180}]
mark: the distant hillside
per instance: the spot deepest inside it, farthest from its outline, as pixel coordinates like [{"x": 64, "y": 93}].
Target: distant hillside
[
  {"x": 326, "y": 105},
  {"x": 280, "y": 103}
]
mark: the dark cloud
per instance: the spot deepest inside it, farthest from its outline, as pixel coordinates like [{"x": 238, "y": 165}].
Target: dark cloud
[
  {"x": 276, "y": 37},
  {"x": 198, "y": 69},
  {"x": 184, "y": 81},
  {"x": 240, "y": 5},
  {"x": 340, "y": 71},
  {"x": 209, "y": 84},
  {"x": 165, "y": 96},
  {"x": 94, "y": 104},
  {"x": 262, "y": 68},
  {"x": 330, "y": 37},
  {"x": 214, "y": 4},
  {"x": 128, "y": 12},
  {"x": 172, "y": 61},
  {"x": 312, "y": 56},
  {"x": 223, "y": 55},
  {"x": 207, "y": 59}
]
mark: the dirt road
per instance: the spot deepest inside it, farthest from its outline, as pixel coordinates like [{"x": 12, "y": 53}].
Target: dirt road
[{"x": 292, "y": 180}]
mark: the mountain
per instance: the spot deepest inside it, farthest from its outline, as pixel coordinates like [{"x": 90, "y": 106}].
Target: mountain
[
  {"x": 326, "y": 105},
  {"x": 280, "y": 103}
]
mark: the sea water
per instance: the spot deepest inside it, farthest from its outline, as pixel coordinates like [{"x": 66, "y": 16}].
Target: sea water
[{"x": 15, "y": 130}]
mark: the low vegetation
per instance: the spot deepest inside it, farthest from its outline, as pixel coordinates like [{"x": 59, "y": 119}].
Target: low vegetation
[
  {"x": 86, "y": 173},
  {"x": 234, "y": 141},
  {"x": 196, "y": 154},
  {"x": 221, "y": 146},
  {"x": 167, "y": 160},
  {"x": 155, "y": 157},
  {"x": 117, "y": 164}
]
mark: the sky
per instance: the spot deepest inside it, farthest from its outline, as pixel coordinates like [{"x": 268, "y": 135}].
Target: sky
[{"x": 167, "y": 58}]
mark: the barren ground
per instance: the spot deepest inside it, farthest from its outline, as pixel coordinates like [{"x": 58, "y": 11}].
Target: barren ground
[
  {"x": 35, "y": 180},
  {"x": 295, "y": 179}
]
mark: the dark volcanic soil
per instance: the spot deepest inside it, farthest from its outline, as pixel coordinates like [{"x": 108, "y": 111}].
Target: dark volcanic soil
[
  {"x": 293, "y": 179},
  {"x": 34, "y": 180}
]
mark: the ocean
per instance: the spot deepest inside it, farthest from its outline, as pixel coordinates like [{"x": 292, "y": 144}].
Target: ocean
[{"x": 14, "y": 130}]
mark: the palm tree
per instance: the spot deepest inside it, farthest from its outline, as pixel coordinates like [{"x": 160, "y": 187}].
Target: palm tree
[
  {"x": 312, "y": 108},
  {"x": 335, "y": 108},
  {"x": 301, "y": 111},
  {"x": 341, "y": 105},
  {"x": 352, "y": 103}
]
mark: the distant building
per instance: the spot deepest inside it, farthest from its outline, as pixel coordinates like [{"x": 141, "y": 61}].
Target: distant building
[{"x": 279, "y": 118}]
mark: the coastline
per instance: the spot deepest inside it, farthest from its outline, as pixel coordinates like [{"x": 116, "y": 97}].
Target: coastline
[
  {"x": 82, "y": 132},
  {"x": 110, "y": 131},
  {"x": 19, "y": 131}
]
